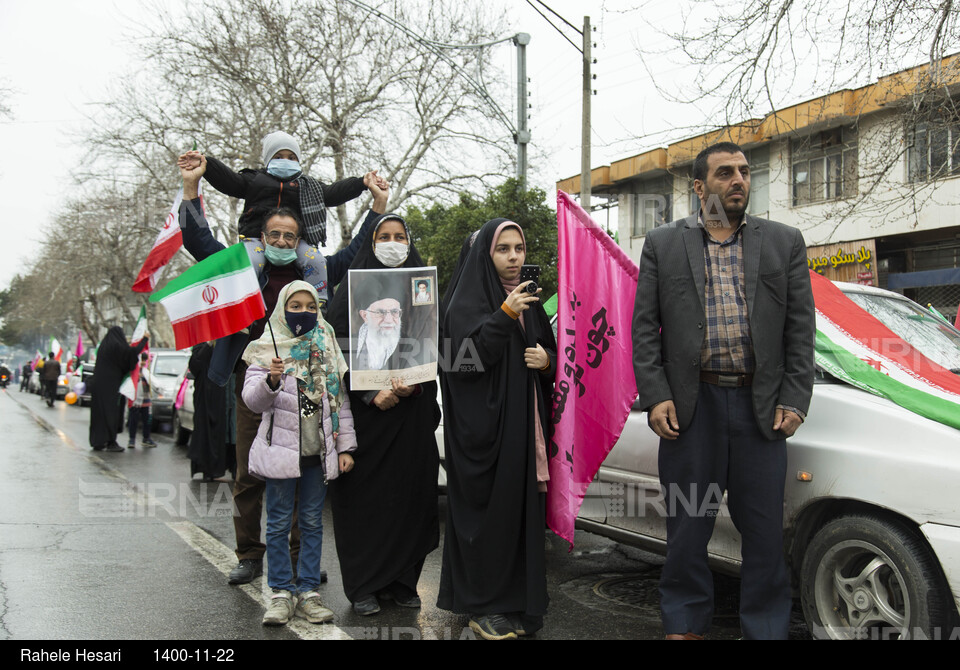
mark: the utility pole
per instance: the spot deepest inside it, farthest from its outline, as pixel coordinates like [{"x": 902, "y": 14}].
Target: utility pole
[
  {"x": 585, "y": 130},
  {"x": 521, "y": 40}
]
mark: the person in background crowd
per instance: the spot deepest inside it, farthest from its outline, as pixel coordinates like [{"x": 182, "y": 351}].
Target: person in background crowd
[
  {"x": 26, "y": 372},
  {"x": 139, "y": 407},
  {"x": 115, "y": 359},
  {"x": 49, "y": 376},
  {"x": 211, "y": 448}
]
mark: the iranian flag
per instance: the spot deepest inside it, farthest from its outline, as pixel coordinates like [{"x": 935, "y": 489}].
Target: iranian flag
[
  {"x": 56, "y": 348},
  {"x": 855, "y": 347},
  {"x": 130, "y": 383},
  {"x": 168, "y": 242},
  {"x": 36, "y": 359},
  {"x": 140, "y": 328},
  {"x": 216, "y": 297}
]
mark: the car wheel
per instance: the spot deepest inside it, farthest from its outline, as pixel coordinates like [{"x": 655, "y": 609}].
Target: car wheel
[
  {"x": 180, "y": 434},
  {"x": 868, "y": 577}
]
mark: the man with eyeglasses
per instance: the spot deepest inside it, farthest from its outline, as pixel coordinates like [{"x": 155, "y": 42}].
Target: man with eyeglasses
[
  {"x": 279, "y": 260},
  {"x": 379, "y": 335}
]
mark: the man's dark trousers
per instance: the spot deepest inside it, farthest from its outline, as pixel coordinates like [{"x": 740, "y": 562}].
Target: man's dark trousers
[{"x": 723, "y": 449}]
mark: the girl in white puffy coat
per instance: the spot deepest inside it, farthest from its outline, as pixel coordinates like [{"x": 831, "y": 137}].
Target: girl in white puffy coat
[{"x": 294, "y": 380}]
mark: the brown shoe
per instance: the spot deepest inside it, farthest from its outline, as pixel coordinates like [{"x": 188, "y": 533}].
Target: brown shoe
[{"x": 685, "y": 636}]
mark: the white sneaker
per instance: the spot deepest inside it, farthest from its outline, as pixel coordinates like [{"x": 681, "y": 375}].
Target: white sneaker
[
  {"x": 311, "y": 608},
  {"x": 280, "y": 609}
]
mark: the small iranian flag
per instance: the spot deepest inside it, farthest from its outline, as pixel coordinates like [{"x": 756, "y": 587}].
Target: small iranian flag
[
  {"x": 140, "y": 328},
  {"x": 128, "y": 387},
  {"x": 130, "y": 383},
  {"x": 856, "y": 347},
  {"x": 36, "y": 359},
  {"x": 167, "y": 244},
  {"x": 216, "y": 297},
  {"x": 56, "y": 348}
]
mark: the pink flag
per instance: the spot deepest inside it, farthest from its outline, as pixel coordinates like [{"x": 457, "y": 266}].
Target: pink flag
[
  {"x": 181, "y": 393},
  {"x": 168, "y": 242},
  {"x": 956, "y": 324},
  {"x": 80, "y": 349},
  {"x": 595, "y": 385}
]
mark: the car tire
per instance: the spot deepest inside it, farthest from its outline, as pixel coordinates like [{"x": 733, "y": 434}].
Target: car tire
[
  {"x": 870, "y": 577},
  {"x": 180, "y": 434}
]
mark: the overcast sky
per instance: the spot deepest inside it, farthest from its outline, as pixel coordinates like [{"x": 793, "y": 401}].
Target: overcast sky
[{"x": 60, "y": 56}]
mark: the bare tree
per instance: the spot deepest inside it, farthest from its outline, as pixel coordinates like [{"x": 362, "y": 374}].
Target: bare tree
[
  {"x": 753, "y": 58},
  {"x": 358, "y": 93},
  {"x": 88, "y": 260}
]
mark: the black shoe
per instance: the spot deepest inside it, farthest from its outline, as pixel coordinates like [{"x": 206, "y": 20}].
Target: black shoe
[
  {"x": 525, "y": 624},
  {"x": 402, "y": 596},
  {"x": 114, "y": 448},
  {"x": 99, "y": 447},
  {"x": 492, "y": 627},
  {"x": 323, "y": 576},
  {"x": 246, "y": 571},
  {"x": 366, "y": 606}
]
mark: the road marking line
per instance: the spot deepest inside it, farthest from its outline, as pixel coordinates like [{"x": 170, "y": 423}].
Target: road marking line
[{"x": 213, "y": 550}]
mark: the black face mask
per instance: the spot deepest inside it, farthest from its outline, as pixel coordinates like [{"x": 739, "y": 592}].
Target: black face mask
[{"x": 301, "y": 322}]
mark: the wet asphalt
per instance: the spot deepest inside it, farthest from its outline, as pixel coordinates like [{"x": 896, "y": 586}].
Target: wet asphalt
[{"x": 126, "y": 546}]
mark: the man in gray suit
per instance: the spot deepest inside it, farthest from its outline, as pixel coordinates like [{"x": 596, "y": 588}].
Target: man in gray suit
[{"x": 723, "y": 336}]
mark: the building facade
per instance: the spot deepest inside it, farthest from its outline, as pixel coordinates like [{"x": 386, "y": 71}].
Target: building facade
[{"x": 871, "y": 177}]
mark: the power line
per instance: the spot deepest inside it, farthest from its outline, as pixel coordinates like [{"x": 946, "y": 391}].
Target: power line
[
  {"x": 576, "y": 30},
  {"x": 553, "y": 26}
]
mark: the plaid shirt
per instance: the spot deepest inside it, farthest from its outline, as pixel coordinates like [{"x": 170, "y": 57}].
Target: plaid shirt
[{"x": 727, "y": 345}]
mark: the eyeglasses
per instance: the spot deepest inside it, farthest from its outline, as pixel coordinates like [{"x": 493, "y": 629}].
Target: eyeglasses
[
  {"x": 380, "y": 313},
  {"x": 275, "y": 235}
]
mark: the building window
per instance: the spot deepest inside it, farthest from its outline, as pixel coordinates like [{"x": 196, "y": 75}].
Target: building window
[
  {"x": 933, "y": 150},
  {"x": 759, "y": 205},
  {"x": 824, "y": 166},
  {"x": 652, "y": 205}
]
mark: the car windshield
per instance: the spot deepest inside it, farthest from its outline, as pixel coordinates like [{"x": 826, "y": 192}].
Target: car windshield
[
  {"x": 170, "y": 366},
  {"x": 935, "y": 339}
]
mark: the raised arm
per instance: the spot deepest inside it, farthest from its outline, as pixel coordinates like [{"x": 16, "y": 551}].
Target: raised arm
[
  {"x": 216, "y": 173},
  {"x": 197, "y": 238},
  {"x": 339, "y": 263}
]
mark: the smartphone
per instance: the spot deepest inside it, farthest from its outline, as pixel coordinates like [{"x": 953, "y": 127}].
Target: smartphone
[{"x": 530, "y": 273}]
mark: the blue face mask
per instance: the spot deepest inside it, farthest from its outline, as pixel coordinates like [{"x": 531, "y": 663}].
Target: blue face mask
[
  {"x": 279, "y": 256},
  {"x": 301, "y": 322},
  {"x": 282, "y": 168}
]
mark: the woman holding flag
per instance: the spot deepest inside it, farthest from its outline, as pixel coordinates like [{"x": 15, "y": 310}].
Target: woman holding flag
[
  {"x": 115, "y": 360},
  {"x": 294, "y": 379}
]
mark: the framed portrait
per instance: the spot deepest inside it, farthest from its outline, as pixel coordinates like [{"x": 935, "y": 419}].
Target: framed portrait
[
  {"x": 422, "y": 289},
  {"x": 393, "y": 334}
]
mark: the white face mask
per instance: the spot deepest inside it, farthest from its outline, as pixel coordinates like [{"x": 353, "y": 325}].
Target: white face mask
[{"x": 391, "y": 254}]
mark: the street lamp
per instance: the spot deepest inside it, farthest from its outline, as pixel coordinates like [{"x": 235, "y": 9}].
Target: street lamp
[{"x": 521, "y": 134}]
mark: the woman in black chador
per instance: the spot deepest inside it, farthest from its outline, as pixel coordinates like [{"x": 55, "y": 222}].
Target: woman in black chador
[
  {"x": 115, "y": 360},
  {"x": 211, "y": 448},
  {"x": 495, "y": 391},
  {"x": 385, "y": 509}
]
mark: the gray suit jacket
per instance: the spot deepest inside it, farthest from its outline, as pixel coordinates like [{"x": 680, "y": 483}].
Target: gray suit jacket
[{"x": 670, "y": 296}]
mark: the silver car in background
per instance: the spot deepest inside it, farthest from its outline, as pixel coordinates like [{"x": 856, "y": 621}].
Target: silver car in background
[
  {"x": 166, "y": 369},
  {"x": 871, "y": 508}
]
